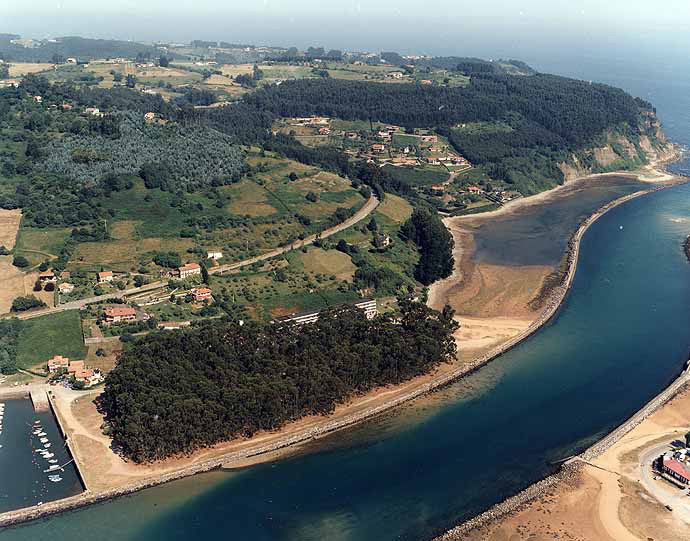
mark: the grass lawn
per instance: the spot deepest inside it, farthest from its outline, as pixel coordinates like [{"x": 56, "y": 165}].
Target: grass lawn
[{"x": 44, "y": 337}]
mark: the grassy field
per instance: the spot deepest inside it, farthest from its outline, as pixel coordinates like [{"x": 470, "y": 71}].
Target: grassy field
[
  {"x": 331, "y": 262},
  {"x": 46, "y": 240},
  {"x": 18, "y": 69},
  {"x": 43, "y": 337},
  {"x": 395, "y": 208},
  {"x": 419, "y": 176}
]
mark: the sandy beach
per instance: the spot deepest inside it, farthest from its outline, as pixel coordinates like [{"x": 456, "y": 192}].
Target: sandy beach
[{"x": 606, "y": 500}]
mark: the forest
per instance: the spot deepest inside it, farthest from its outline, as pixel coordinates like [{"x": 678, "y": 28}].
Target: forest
[
  {"x": 173, "y": 393},
  {"x": 193, "y": 157}
]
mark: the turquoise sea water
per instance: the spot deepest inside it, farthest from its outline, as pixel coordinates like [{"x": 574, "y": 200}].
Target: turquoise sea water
[{"x": 621, "y": 336}]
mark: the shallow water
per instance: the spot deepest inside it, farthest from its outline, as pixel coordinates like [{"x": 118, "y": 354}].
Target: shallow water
[
  {"x": 622, "y": 335},
  {"x": 530, "y": 236}
]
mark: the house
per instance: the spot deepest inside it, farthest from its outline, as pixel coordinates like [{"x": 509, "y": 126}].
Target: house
[
  {"x": 201, "y": 294},
  {"x": 396, "y": 75},
  {"x": 71, "y": 60},
  {"x": 38, "y": 99},
  {"x": 56, "y": 363},
  {"x": 66, "y": 106},
  {"x": 378, "y": 148},
  {"x": 474, "y": 189},
  {"x": 425, "y": 81},
  {"x": 368, "y": 306},
  {"x": 74, "y": 366},
  {"x": 214, "y": 255},
  {"x": 324, "y": 131},
  {"x": 429, "y": 139},
  {"x": 190, "y": 269},
  {"x": 47, "y": 276},
  {"x": 105, "y": 276},
  {"x": 93, "y": 111},
  {"x": 676, "y": 469},
  {"x": 173, "y": 325},
  {"x": 381, "y": 241},
  {"x": 150, "y": 117},
  {"x": 88, "y": 376},
  {"x": 119, "y": 314},
  {"x": 66, "y": 288}
]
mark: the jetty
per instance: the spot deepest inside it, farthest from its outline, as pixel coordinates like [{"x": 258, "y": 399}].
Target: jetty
[{"x": 39, "y": 399}]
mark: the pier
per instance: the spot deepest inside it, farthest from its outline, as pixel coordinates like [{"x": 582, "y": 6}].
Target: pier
[{"x": 39, "y": 399}]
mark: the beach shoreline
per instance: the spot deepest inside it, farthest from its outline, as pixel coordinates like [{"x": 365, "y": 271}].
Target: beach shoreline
[{"x": 252, "y": 454}]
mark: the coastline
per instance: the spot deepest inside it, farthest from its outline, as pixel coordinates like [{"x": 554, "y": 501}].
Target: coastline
[{"x": 551, "y": 306}]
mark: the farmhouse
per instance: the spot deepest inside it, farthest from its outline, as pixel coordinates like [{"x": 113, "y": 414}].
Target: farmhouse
[
  {"x": 66, "y": 288},
  {"x": 56, "y": 363},
  {"x": 105, "y": 276},
  {"x": 201, "y": 294},
  {"x": 190, "y": 269},
  {"x": 119, "y": 314},
  {"x": 47, "y": 276},
  {"x": 474, "y": 189},
  {"x": 214, "y": 255},
  {"x": 93, "y": 111},
  {"x": 378, "y": 147}
]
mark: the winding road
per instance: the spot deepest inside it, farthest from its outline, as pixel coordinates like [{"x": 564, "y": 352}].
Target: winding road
[{"x": 357, "y": 217}]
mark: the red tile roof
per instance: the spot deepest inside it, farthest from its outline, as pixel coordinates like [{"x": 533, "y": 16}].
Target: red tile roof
[
  {"x": 120, "y": 311},
  {"x": 676, "y": 467}
]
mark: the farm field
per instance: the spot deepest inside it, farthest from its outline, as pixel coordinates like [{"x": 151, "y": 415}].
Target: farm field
[
  {"x": 19, "y": 69},
  {"x": 55, "y": 334}
]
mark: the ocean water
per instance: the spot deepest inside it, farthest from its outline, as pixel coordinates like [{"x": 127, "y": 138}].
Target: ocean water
[{"x": 621, "y": 336}]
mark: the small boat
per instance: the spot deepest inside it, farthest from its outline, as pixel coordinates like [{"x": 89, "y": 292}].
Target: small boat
[
  {"x": 36, "y": 432},
  {"x": 55, "y": 478},
  {"x": 52, "y": 468},
  {"x": 53, "y": 461},
  {"x": 47, "y": 455},
  {"x": 44, "y": 440},
  {"x": 41, "y": 433},
  {"x": 37, "y": 422},
  {"x": 46, "y": 445}
]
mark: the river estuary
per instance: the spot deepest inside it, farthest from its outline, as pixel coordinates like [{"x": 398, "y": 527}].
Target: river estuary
[{"x": 622, "y": 335}]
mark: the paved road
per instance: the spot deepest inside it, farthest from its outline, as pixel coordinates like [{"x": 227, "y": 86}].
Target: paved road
[{"x": 362, "y": 213}]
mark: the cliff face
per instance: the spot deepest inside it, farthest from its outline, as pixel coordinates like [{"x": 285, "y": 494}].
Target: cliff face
[{"x": 621, "y": 152}]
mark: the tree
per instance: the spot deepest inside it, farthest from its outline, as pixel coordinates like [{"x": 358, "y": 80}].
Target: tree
[
  {"x": 20, "y": 261},
  {"x": 131, "y": 81},
  {"x": 293, "y": 176},
  {"x": 435, "y": 243},
  {"x": 44, "y": 266},
  {"x": 4, "y": 251},
  {"x": 117, "y": 76},
  {"x": 204, "y": 273},
  {"x": 21, "y": 304},
  {"x": 372, "y": 225},
  {"x": 163, "y": 62},
  {"x": 312, "y": 197},
  {"x": 687, "y": 439},
  {"x": 4, "y": 71}
]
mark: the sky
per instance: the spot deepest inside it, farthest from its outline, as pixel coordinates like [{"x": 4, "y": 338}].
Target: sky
[{"x": 526, "y": 29}]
